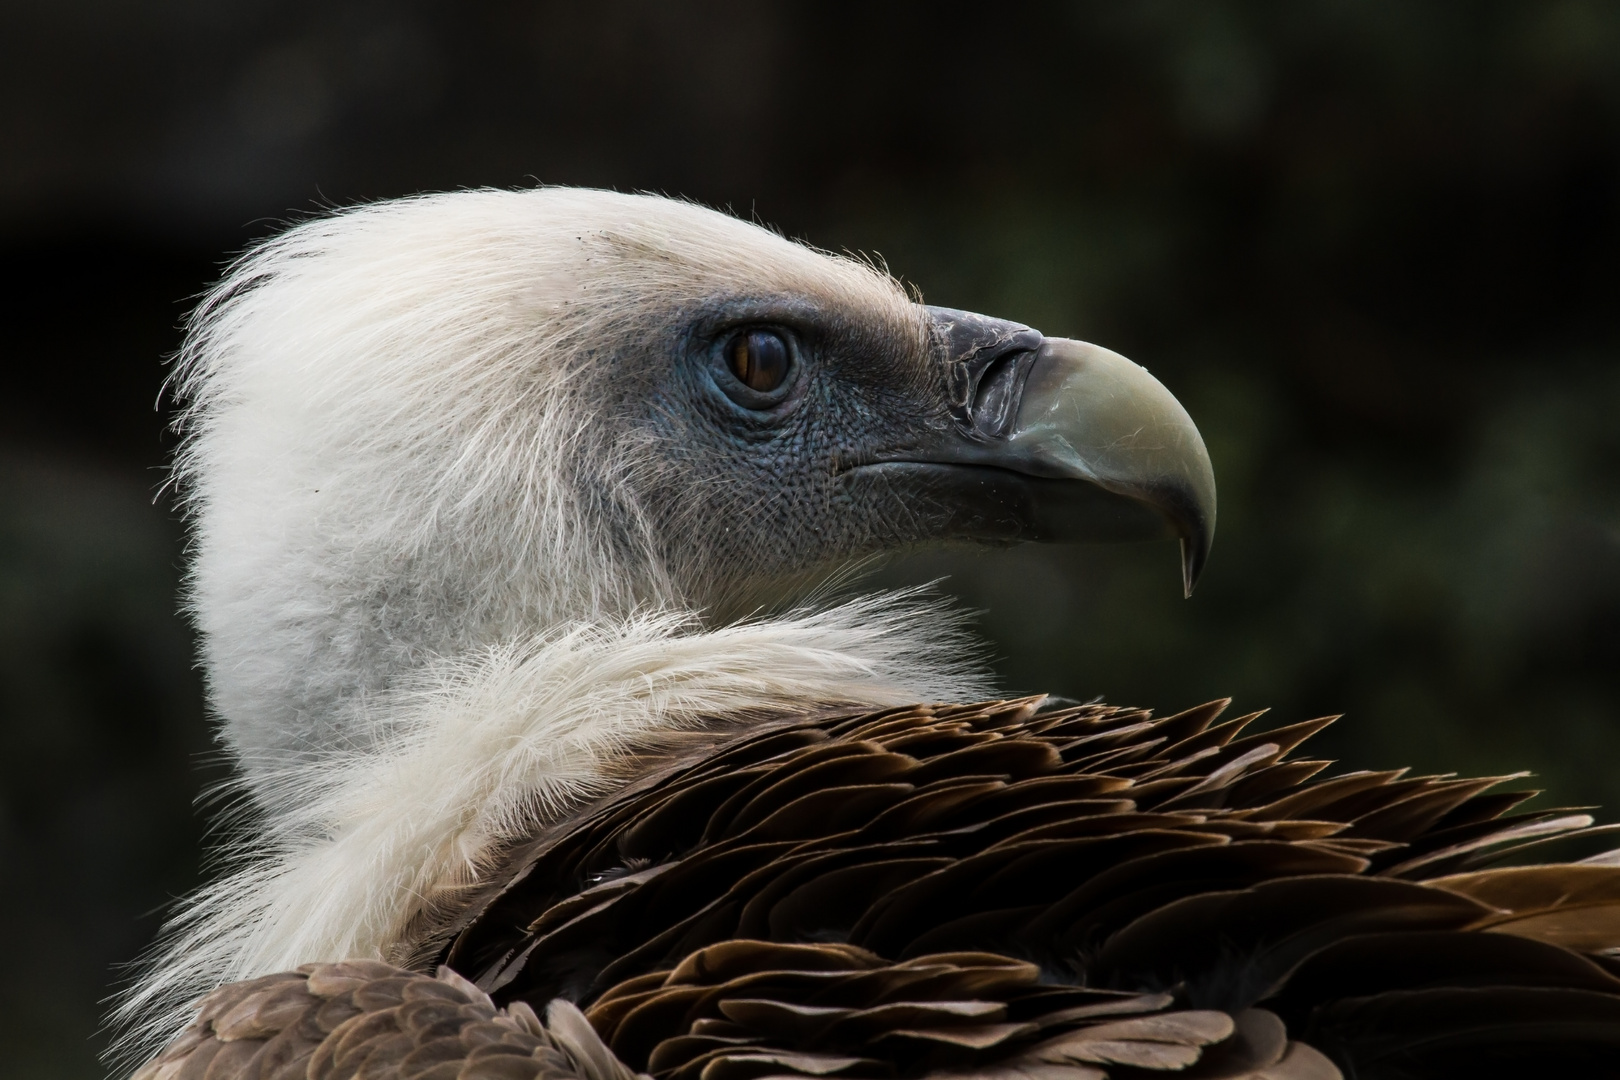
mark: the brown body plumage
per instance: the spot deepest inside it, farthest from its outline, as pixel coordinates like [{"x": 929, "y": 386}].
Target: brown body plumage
[{"x": 994, "y": 890}]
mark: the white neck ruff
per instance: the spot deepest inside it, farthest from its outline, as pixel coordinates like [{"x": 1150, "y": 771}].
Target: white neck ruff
[{"x": 476, "y": 752}]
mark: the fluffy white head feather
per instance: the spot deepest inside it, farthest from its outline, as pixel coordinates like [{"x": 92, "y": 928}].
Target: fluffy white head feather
[
  {"x": 436, "y": 600},
  {"x": 397, "y": 442}
]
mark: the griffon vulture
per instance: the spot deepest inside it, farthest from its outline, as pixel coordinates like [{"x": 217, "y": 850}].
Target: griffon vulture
[{"x": 510, "y": 511}]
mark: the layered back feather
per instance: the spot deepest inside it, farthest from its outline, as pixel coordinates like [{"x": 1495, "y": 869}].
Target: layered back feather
[{"x": 991, "y": 890}]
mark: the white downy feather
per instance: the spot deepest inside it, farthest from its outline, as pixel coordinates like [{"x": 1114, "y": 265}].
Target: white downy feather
[
  {"x": 421, "y": 635},
  {"x": 481, "y": 750}
]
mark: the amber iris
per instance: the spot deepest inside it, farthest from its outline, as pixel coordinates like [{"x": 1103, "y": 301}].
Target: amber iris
[{"x": 759, "y": 359}]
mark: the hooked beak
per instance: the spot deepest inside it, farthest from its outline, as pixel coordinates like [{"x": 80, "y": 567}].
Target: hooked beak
[
  {"x": 1062, "y": 441},
  {"x": 1091, "y": 415}
]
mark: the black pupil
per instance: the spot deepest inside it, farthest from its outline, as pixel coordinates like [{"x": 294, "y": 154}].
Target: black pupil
[{"x": 759, "y": 359}]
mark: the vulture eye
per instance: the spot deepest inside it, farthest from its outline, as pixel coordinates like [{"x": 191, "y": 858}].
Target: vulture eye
[{"x": 759, "y": 359}]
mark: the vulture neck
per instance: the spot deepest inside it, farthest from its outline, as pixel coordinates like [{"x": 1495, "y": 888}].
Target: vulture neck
[
  {"x": 324, "y": 655},
  {"x": 369, "y": 840}
]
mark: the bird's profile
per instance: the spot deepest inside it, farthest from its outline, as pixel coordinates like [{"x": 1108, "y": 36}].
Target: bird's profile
[{"x": 511, "y": 511}]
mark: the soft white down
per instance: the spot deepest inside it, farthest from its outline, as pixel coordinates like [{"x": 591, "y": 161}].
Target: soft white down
[{"x": 434, "y": 611}]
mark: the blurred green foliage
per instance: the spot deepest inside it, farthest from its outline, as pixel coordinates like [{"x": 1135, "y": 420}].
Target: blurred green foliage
[{"x": 1374, "y": 247}]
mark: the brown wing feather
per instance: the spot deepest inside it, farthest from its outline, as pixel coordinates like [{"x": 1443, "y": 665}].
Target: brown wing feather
[
  {"x": 996, "y": 890},
  {"x": 370, "y": 1020}
]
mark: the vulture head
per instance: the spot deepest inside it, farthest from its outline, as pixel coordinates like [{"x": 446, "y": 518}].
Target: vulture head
[
  {"x": 491, "y": 491},
  {"x": 427, "y": 427}
]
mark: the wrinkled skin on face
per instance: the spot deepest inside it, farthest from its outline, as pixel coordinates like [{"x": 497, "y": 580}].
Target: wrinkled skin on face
[{"x": 883, "y": 434}]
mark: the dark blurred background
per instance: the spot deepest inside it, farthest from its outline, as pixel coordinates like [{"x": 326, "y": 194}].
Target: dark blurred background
[{"x": 1372, "y": 246}]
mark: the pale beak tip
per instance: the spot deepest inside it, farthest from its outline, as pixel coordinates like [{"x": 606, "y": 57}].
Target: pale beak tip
[{"x": 1195, "y": 545}]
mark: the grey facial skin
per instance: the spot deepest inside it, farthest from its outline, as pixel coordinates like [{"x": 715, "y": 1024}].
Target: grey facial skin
[{"x": 957, "y": 427}]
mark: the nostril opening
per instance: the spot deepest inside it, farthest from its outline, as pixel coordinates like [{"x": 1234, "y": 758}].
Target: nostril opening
[
  {"x": 996, "y": 398},
  {"x": 986, "y": 362}
]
